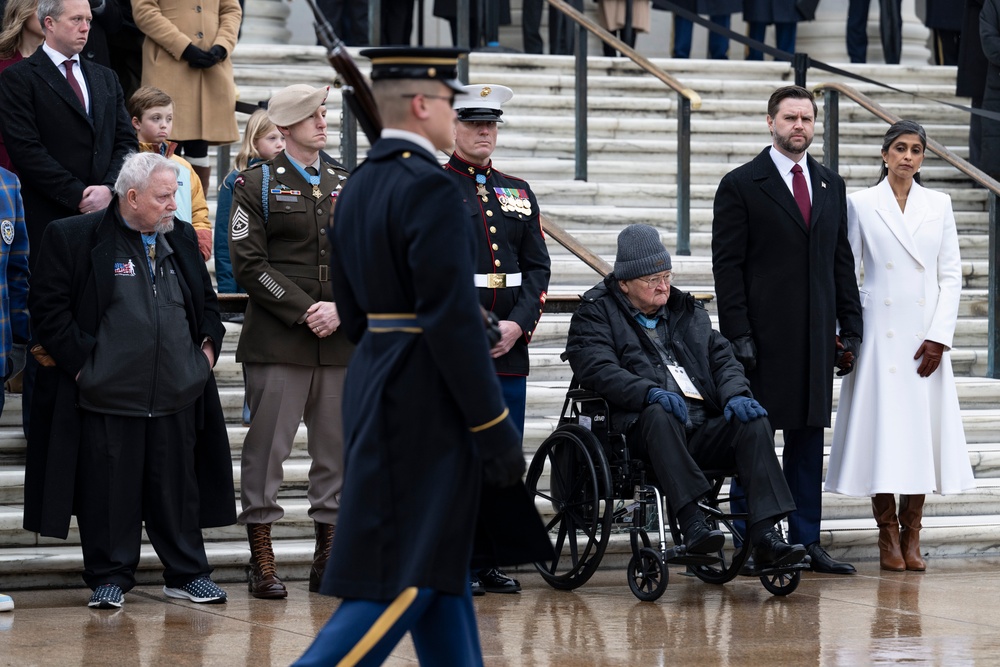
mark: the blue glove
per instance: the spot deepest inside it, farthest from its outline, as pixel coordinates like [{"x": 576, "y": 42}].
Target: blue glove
[
  {"x": 673, "y": 403},
  {"x": 745, "y": 409}
]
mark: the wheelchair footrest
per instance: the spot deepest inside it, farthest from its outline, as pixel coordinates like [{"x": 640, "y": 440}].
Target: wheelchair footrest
[
  {"x": 767, "y": 571},
  {"x": 679, "y": 556}
]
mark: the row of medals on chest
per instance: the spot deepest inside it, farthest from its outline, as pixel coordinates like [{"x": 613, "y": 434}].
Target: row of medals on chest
[{"x": 508, "y": 203}]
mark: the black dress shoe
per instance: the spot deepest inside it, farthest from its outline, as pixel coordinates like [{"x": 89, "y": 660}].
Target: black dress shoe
[
  {"x": 477, "y": 586},
  {"x": 772, "y": 551},
  {"x": 821, "y": 561},
  {"x": 495, "y": 581},
  {"x": 700, "y": 539}
]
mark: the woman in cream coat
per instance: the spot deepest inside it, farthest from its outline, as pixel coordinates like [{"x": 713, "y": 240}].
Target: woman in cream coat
[{"x": 898, "y": 427}]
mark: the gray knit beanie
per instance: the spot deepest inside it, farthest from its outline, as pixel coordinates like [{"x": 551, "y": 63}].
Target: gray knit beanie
[{"x": 640, "y": 253}]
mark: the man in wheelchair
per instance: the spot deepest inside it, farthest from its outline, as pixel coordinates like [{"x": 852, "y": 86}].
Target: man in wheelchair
[{"x": 673, "y": 384}]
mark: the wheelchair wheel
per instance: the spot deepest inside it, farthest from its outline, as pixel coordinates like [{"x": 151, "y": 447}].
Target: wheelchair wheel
[
  {"x": 781, "y": 583},
  {"x": 580, "y": 494},
  {"x": 731, "y": 559},
  {"x": 647, "y": 574}
]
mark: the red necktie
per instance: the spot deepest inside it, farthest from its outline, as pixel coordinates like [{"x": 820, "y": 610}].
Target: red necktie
[
  {"x": 801, "y": 192},
  {"x": 74, "y": 84}
]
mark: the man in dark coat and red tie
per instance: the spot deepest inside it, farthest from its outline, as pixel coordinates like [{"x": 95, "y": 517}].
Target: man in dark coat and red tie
[{"x": 784, "y": 277}]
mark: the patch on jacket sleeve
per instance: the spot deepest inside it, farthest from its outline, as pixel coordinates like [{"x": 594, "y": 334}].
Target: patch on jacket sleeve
[
  {"x": 7, "y": 231},
  {"x": 272, "y": 285},
  {"x": 240, "y": 180},
  {"x": 241, "y": 224}
]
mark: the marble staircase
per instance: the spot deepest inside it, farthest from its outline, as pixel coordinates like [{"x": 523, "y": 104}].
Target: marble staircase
[{"x": 632, "y": 178}]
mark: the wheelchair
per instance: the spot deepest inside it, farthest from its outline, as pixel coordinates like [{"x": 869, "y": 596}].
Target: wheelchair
[{"x": 586, "y": 478}]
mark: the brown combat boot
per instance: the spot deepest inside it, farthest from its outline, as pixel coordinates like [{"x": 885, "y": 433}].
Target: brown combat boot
[
  {"x": 911, "y": 510},
  {"x": 889, "y": 555},
  {"x": 262, "y": 577},
  {"x": 324, "y": 540}
]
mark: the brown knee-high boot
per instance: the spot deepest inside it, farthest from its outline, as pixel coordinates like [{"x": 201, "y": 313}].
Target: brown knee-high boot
[
  {"x": 911, "y": 509},
  {"x": 262, "y": 576},
  {"x": 889, "y": 555},
  {"x": 324, "y": 540},
  {"x": 204, "y": 175}
]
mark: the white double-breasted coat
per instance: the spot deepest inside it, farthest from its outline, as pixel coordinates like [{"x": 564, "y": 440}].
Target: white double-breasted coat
[{"x": 895, "y": 431}]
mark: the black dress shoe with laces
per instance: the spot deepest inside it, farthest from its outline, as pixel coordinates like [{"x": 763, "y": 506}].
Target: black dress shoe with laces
[
  {"x": 495, "y": 581},
  {"x": 772, "y": 551},
  {"x": 822, "y": 562},
  {"x": 700, "y": 539}
]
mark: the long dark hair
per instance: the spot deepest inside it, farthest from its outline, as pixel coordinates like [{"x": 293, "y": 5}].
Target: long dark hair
[{"x": 896, "y": 130}]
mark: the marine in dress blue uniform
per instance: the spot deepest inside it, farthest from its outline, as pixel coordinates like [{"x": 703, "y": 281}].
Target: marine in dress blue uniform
[
  {"x": 512, "y": 262},
  {"x": 425, "y": 424}
]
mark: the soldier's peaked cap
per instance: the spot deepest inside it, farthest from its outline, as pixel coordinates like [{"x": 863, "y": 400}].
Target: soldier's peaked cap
[
  {"x": 482, "y": 102},
  {"x": 412, "y": 62}
]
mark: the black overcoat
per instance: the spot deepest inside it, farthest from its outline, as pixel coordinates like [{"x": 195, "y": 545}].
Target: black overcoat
[
  {"x": 71, "y": 287},
  {"x": 57, "y": 148},
  {"x": 786, "y": 284},
  {"x": 989, "y": 30},
  {"x": 706, "y": 7},
  {"x": 770, "y": 11},
  {"x": 971, "y": 78},
  {"x": 418, "y": 383}
]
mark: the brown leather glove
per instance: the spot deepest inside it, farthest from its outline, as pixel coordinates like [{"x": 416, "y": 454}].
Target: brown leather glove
[{"x": 42, "y": 356}]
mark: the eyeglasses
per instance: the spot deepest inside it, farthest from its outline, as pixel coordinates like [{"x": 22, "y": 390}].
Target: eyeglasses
[
  {"x": 450, "y": 99},
  {"x": 654, "y": 281}
]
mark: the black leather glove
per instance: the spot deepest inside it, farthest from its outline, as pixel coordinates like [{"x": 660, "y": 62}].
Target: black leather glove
[
  {"x": 218, "y": 52},
  {"x": 848, "y": 346},
  {"x": 198, "y": 58},
  {"x": 745, "y": 351},
  {"x": 492, "y": 324},
  {"x": 503, "y": 458}
]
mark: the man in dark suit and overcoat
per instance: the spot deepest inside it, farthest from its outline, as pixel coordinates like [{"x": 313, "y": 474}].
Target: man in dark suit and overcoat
[
  {"x": 129, "y": 430},
  {"x": 784, "y": 277},
  {"x": 67, "y": 147}
]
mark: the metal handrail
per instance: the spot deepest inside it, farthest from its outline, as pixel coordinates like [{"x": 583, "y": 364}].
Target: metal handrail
[
  {"x": 687, "y": 99},
  {"x": 831, "y": 142}
]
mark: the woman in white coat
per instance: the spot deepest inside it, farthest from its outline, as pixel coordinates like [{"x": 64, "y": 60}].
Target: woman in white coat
[{"x": 898, "y": 427}]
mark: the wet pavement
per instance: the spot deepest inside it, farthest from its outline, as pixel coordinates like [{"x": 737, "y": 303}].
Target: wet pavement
[{"x": 946, "y": 616}]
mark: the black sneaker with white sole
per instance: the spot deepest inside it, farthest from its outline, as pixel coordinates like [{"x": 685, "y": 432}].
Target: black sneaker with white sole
[
  {"x": 107, "y": 596},
  {"x": 201, "y": 590}
]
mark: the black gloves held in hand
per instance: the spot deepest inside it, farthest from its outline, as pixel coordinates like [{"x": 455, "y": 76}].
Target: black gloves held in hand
[
  {"x": 745, "y": 351},
  {"x": 503, "y": 458},
  {"x": 848, "y": 345},
  {"x": 199, "y": 58},
  {"x": 218, "y": 52}
]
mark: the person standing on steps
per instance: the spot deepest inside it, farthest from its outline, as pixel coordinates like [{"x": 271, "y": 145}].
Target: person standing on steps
[
  {"x": 897, "y": 433},
  {"x": 784, "y": 278},
  {"x": 293, "y": 356}
]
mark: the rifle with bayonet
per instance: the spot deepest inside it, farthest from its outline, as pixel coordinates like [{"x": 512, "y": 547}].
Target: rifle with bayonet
[{"x": 355, "y": 91}]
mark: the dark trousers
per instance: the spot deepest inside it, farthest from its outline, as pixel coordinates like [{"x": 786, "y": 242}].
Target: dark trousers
[
  {"x": 784, "y": 37},
  {"x": 443, "y": 628},
  {"x": 718, "y": 46},
  {"x": 349, "y": 19},
  {"x": 857, "y": 31},
  {"x": 562, "y": 31},
  {"x": 397, "y": 22},
  {"x": 678, "y": 459},
  {"x": 975, "y": 154},
  {"x": 531, "y": 26},
  {"x": 133, "y": 470},
  {"x": 803, "y": 466},
  {"x": 515, "y": 393}
]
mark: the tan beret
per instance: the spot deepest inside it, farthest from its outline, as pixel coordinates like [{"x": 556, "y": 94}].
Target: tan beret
[{"x": 294, "y": 103}]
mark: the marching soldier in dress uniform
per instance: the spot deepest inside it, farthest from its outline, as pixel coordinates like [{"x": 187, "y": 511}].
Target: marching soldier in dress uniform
[
  {"x": 512, "y": 263},
  {"x": 294, "y": 359},
  {"x": 425, "y": 425}
]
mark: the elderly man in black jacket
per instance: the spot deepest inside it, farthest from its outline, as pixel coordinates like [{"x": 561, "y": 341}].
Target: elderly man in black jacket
[{"x": 676, "y": 388}]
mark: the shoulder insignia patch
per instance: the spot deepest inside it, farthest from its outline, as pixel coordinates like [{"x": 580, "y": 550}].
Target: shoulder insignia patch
[
  {"x": 241, "y": 224},
  {"x": 241, "y": 180},
  {"x": 7, "y": 231}
]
